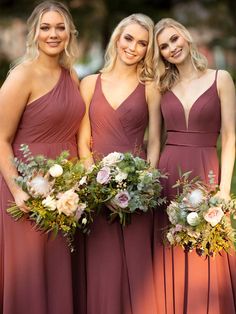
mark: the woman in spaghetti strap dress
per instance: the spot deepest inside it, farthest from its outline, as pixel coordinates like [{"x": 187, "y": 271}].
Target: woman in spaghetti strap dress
[
  {"x": 121, "y": 103},
  {"x": 197, "y": 105},
  {"x": 40, "y": 106}
]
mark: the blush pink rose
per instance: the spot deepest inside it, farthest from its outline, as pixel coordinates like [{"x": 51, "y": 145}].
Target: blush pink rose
[
  {"x": 67, "y": 203},
  {"x": 214, "y": 215}
]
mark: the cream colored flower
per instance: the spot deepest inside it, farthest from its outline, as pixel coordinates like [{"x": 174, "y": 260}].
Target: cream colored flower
[
  {"x": 112, "y": 159},
  {"x": 56, "y": 171},
  {"x": 193, "y": 219},
  {"x": 50, "y": 203},
  {"x": 67, "y": 203}
]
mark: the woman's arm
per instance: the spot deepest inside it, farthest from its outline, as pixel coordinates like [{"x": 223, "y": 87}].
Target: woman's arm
[
  {"x": 14, "y": 95},
  {"x": 87, "y": 86},
  {"x": 226, "y": 90},
  {"x": 154, "y": 127}
]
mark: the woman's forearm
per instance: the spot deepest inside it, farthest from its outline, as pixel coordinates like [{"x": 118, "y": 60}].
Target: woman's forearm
[
  {"x": 227, "y": 163},
  {"x": 7, "y": 167},
  {"x": 153, "y": 153},
  {"x": 86, "y": 155}
]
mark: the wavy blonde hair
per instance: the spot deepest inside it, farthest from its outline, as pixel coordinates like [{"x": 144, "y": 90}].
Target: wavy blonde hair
[
  {"x": 145, "y": 66},
  {"x": 70, "y": 53},
  {"x": 167, "y": 74}
]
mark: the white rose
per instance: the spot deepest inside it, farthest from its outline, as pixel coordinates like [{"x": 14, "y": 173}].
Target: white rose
[
  {"x": 193, "y": 219},
  {"x": 56, "y": 171},
  {"x": 67, "y": 203},
  {"x": 112, "y": 159},
  {"x": 50, "y": 203}
]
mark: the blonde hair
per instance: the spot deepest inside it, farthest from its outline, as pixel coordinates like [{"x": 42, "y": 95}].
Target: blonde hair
[
  {"x": 70, "y": 53},
  {"x": 167, "y": 74},
  {"x": 145, "y": 69}
]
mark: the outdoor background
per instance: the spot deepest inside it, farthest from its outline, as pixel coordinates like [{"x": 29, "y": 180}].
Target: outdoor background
[{"x": 212, "y": 24}]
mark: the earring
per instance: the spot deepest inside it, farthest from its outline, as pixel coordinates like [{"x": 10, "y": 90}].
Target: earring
[{"x": 167, "y": 66}]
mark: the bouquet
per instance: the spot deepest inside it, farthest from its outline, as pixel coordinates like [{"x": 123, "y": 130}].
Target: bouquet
[
  {"x": 56, "y": 202},
  {"x": 200, "y": 220},
  {"x": 125, "y": 184}
]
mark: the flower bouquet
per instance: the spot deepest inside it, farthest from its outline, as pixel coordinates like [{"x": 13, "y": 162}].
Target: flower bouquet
[
  {"x": 55, "y": 202},
  {"x": 199, "y": 220},
  {"x": 125, "y": 184}
]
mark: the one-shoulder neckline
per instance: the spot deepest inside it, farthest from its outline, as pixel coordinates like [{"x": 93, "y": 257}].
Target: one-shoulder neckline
[
  {"x": 187, "y": 117},
  {"x": 122, "y": 102},
  {"x": 49, "y": 92}
]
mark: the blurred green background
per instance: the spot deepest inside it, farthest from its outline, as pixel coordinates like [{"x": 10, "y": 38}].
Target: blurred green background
[{"x": 212, "y": 23}]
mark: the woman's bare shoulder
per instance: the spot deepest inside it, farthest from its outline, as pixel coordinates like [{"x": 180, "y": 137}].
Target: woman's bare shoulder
[
  {"x": 90, "y": 79},
  {"x": 19, "y": 78}
]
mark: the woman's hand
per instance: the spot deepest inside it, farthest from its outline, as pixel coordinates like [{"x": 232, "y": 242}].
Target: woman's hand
[
  {"x": 20, "y": 198},
  {"x": 223, "y": 195}
]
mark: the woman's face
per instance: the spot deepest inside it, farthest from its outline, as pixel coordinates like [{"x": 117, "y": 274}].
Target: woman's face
[
  {"x": 172, "y": 45},
  {"x": 132, "y": 44},
  {"x": 52, "y": 36}
]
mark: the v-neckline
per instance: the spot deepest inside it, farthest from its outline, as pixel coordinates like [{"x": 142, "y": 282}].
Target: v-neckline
[
  {"x": 122, "y": 102},
  {"x": 187, "y": 118}
]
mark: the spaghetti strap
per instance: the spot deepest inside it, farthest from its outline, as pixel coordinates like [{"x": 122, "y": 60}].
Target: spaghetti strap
[{"x": 216, "y": 75}]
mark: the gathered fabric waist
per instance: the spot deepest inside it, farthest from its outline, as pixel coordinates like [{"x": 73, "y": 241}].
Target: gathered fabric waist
[{"x": 192, "y": 139}]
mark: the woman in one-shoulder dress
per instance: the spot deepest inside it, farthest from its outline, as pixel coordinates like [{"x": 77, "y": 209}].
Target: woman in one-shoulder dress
[
  {"x": 40, "y": 106},
  {"x": 197, "y": 105},
  {"x": 121, "y": 103}
]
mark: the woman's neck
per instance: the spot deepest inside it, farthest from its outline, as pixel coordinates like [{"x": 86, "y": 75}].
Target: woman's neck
[
  {"x": 187, "y": 72},
  {"x": 48, "y": 62},
  {"x": 121, "y": 69}
]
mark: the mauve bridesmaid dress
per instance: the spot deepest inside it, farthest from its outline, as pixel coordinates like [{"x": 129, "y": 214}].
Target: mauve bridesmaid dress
[
  {"x": 35, "y": 268},
  {"x": 185, "y": 282},
  {"x": 119, "y": 260}
]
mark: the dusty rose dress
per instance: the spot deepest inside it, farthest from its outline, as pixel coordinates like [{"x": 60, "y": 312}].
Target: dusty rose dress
[
  {"x": 185, "y": 282},
  {"x": 119, "y": 260},
  {"x": 35, "y": 270}
]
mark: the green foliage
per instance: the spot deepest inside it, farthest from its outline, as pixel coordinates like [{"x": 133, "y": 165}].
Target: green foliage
[
  {"x": 131, "y": 186},
  {"x": 199, "y": 219},
  {"x": 56, "y": 204}
]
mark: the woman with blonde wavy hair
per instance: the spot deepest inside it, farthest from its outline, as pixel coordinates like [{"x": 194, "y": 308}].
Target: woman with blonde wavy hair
[
  {"x": 197, "y": 105},
  {"x": 69, "y": 54},
  {"x": 121, "y": 102},
  {"x": 40, "y": 106},
  {"x": 144, "y": 67}
]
